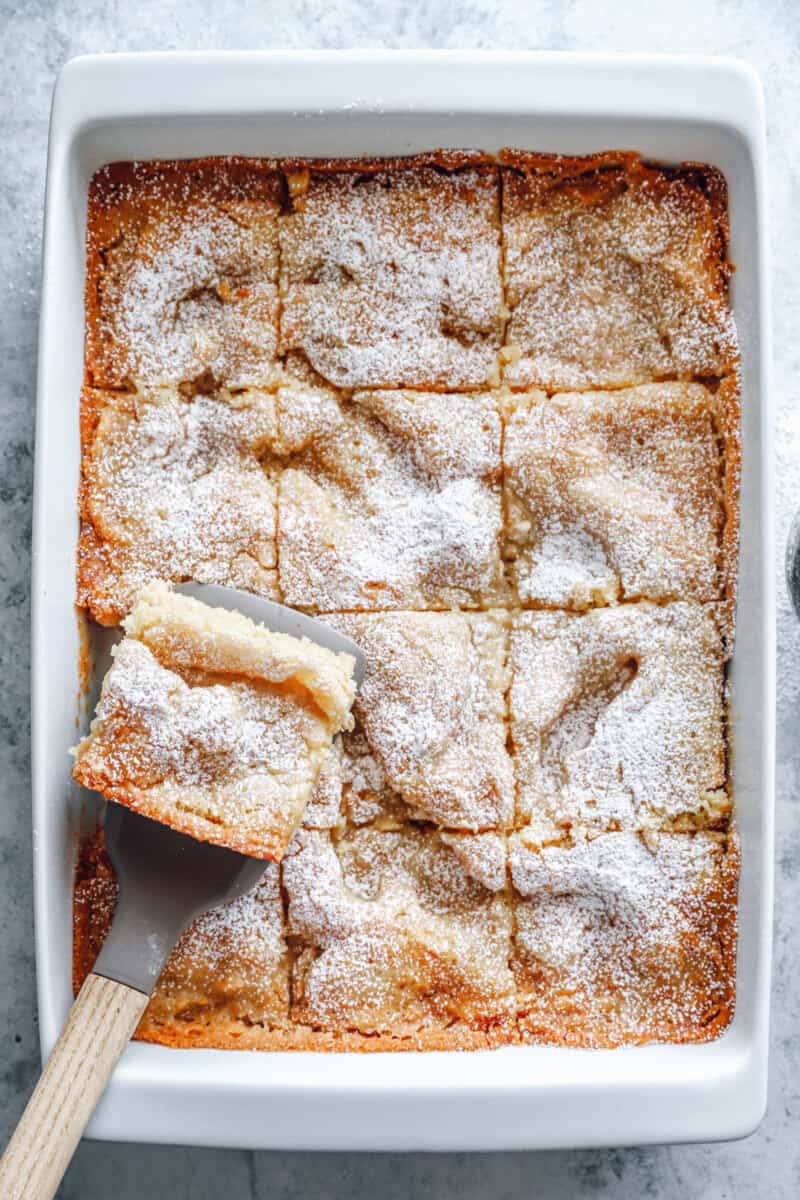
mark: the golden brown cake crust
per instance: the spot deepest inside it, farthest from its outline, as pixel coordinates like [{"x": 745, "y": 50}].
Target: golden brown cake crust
[
  {"x": 728, "y": 411},
  {"x": 597, "y": 177},
  {"x": 444, "y": 160},
  {"x": 591, "y": 171},
  {"x": 215, "y": 1023},
  {"x": 238, "y": 1036},
  {"x": 228, "y": 973},
  {"x": 93, "y": 903},
  {"x": 623, "y": 940}
]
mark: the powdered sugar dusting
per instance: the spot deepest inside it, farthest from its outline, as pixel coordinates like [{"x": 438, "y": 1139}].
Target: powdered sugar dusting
[
  {"x": 393, "y": 279},
  {"x": 221, "y": 755},
  {"x": 460, "y": 869},
  {"x": 484, "y": 856},
  {"x": 353, "y": 787},
  {"x": 192, "y": 734},
  {"x": 624, "y": 937},
  {"x": 231, "y": 963},
  {"x": 186, "y": 275},
  {"x": 615, "y": 496},
  {"x": 617, "y": 719},
  {"x": 174, "y": 489},
  {"x": 432, "y": 709},
  {"x": 615, "y": 276},
  {"x": 391, "y": 501},
  {"x": 393, "y": 934}
]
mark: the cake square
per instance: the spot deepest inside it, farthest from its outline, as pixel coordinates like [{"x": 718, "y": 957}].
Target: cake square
[
  {"x": 618, "y": 495},
  {"x": 353, "y": 789},
  {"x": 182, "y": 272},
  {"x": 431, "y": 711},
  {"x": 616, "y": 272},
  {"x": 389, "y": 500},
  {"x": 625, "y": 938},
  {"x": 213, "y": 724},
  {"x": 173, "y": 488},
  {"x": 391, "y": 277},
  {"x": 393, "y": 934},
  {"x": 617, "y": 719},
  {"x": 225, "y": 984}
]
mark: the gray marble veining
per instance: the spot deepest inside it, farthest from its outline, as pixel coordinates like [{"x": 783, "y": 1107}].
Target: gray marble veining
[{"x": 37, "y": 38}]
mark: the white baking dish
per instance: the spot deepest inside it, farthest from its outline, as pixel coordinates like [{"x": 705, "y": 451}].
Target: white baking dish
[{"x": 182, "y": 105}]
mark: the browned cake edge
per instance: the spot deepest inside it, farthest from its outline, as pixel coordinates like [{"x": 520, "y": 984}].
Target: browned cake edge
[
  {"x": 93, "y": 909},
  {"x": 92, "y": 554},
  {"x": 728, "y": 423},
  {"x": 598, "y": 177},
  {"x": 444, "y": 160},
  {"x": 236, "y": 1035},
  {"x": 269, "y": 844}
]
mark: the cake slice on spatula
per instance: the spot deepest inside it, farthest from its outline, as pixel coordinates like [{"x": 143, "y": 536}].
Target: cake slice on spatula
[
  {"x": 213, "y": 723},
  {"x": 215, "y": 719}
]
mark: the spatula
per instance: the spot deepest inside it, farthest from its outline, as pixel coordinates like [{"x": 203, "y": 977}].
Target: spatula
[{"x": 165, "y": 880}]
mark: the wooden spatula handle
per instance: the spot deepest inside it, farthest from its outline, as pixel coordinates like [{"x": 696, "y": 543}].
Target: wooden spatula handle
[{"x": 98, "y": 1029}]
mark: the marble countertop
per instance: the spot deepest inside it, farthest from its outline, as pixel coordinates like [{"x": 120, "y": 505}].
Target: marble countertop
[{"x": 38, "y": 37}]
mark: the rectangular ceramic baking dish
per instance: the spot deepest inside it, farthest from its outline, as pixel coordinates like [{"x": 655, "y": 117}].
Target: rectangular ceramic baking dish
[{"x": 367, "y": 103}]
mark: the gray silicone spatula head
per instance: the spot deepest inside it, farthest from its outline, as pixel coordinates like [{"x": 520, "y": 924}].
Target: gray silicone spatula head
[{"x": 165, "y": 878}]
